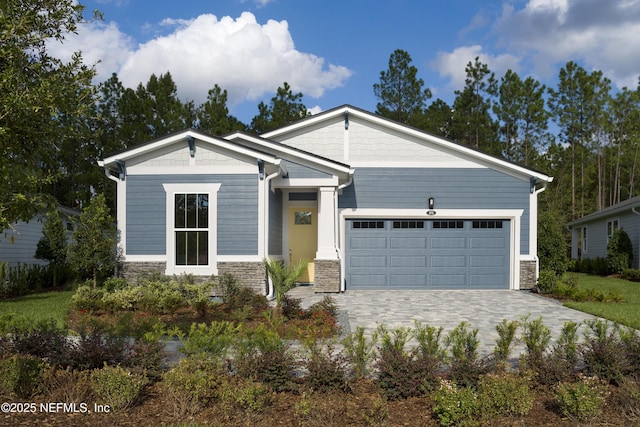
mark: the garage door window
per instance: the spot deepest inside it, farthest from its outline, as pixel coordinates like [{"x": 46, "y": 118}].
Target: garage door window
[
  {"x": 408, "y": 224},
  {"x": 487, "y": 223},
  {"x": 357, "y": 225},
  {"x": 438, "y": 225}
]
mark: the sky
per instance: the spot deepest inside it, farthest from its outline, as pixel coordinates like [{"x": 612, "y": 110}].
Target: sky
[{"x": 333, "y": 51}]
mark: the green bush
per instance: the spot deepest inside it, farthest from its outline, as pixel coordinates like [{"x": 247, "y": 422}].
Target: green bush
[
  {"x": 88, "y": 298},
  {"x": 453, "y": 405},
  {"x": 360, "y": 351},
  {"x": 551, "y": 243},
  {"x": 619, "y": 251},
  {"x": 536, "y": 336},
  {"x": 505, "y": 394},
  {"x": 327, "y": 370},
  {"x": 583, "y": 400},
  {"x": 211, "y": 341},
  {"x": 597, "y": 266},
  {"x": 548, "y": 282},
  {"x": 192, "y": 384},
  {"x": 248, "y": 395},
  {"x": 117, "y": 387},
  {"x": 506, "y": 335},
  {"x": 21, "y": 375},
  {"x": 631, "y": 274}
]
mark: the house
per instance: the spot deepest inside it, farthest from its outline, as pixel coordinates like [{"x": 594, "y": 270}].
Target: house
[
  {"x": 590, "y": 234},
  {"x": 18, "y": 243},
  {"x": 371, "y": 203}
]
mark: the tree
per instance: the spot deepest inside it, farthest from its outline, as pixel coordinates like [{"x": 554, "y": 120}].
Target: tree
[
  {"x": 472, "y": 123},
  {"x": 213, "y": 116},
  {"x": 53, "y": 244},
  {"x": 283, "y": 278},
  {"x": 520, "y": 110},
  {"x": 436, "y": 118},
  {"x": 94, "y": 251},
  {"x": 400, "y": 91},
  {"x": 42, "y": 99},
  {"x": 285, "y": 107}
]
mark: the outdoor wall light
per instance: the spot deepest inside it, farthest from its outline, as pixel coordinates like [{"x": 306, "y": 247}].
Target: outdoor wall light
[{"x": 432, "y": 203}]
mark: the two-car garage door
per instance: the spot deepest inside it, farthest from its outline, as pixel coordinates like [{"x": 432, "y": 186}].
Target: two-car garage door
[{"x": 427, "y": 254}]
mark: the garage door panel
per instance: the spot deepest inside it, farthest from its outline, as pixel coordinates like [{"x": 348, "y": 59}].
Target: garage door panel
[
  {"x": 445, "y": 281},
  {"x": 487, "y": 242},
  {"x": 448, "y": 242},
  {"x": 428, "y": 254},
  {"x": 368, "y": 242},
  {"x": 408, "y": 242},
  {"x": 409, "y": 281},
  {"x": 449, "y": 261},
  {"x": 487, "y": 261},
  {"x": 408, "y": 261},
  {"x": 368, "y": 261},
  {"x": 369, "y": 281}
]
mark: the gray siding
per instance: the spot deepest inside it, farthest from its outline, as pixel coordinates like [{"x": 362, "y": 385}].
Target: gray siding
[
  {"x": 237, "y": 212},
  {"x": 25, "y": 241},
  {"x": 299, "y": 171},
  {"x": 275, "y": 222},
  {"x": 597, "y": 238},
  {"x": 452, "y": 188}
]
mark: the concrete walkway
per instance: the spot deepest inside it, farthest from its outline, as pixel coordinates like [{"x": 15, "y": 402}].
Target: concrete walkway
[{"x": 483, "y": 310}]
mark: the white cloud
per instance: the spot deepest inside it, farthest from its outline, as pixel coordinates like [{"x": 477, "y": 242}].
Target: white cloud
[
  {"x": 602, "y": 35},
  {"x": 240, "y": 55},
  {"x": 452, "y": 65}
]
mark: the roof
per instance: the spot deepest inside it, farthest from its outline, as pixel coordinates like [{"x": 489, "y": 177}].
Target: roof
[
  {"x": 489, "y": 160},
  {"x": 625, "y": 205}
]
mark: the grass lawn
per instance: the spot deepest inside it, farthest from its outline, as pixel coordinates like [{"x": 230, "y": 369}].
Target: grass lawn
[
  {"x": 626, "y": 313},
  {"x": 39, "y": 306}
]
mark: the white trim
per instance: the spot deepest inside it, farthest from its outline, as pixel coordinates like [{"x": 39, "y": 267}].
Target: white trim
[
  {"x": 305, "y": 182},
  {"x": 145, "y": 258},
  {"x": 513, "y": 215},
  {"x": 463, "y": 164},
  {"x": 239, "y": 258},
  {"x": 191, "y": 170},
  {"x": 170, "y": 191}
]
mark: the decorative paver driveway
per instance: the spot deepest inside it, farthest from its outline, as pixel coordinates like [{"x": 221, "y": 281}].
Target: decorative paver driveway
[{"x": 482, "y": 309}]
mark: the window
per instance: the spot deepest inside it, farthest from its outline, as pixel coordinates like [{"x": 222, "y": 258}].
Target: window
[
  {"x": 448, "y": 224},
  {"x": 408, "y": 224},
  {"x": 487, "y": 223},
  {"x": 367, "y": 224},
  {"x": 191, "y": 213},
  {"x": 303, "y": 218},
  {"x": 583, "y": 236},
  {"x": 191, "y": 228},
  {"x": 612, "y": 226}
]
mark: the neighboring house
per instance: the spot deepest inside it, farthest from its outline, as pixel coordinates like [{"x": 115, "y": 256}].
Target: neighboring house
[
  {"x": 590, "y": 234},
  {"x": 371, "y": 203},
  {"x": 19, "y": 242}
]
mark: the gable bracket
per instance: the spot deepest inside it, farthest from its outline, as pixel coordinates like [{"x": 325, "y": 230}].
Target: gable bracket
[
  {"x": 260, "y": 169},
  {"x": 121, "y": 169},
  {"x": 346, "y": 120},
  {"x": 192, "y": 145}
]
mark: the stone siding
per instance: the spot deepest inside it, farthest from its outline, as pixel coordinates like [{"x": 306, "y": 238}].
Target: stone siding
[
  {"x": 131, "y": 270},
  {"x": 528, "y": 279},
  {"x": 251, "y": 274},
  {"x": 326, "y": 276}
]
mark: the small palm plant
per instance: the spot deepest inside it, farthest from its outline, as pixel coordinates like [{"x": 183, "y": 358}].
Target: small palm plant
[{"x": 282, "y": 277}]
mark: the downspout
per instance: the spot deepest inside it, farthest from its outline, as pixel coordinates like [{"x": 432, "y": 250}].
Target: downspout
[
  {"x": 536, "y": 192},
  {"x": 337, "y": 227},
  {"x": 265, "y": 249},
  {"x": 633, "y": 209}
]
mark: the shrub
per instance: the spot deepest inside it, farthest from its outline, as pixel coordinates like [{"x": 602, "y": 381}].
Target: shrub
[
  {"x": 192, "y": 384},
  {"x": 603, "y": 352},
  {"x": 428, "y": 338},
  {"x": 505, "y": 394},
  {"x": 583, "y": 400},
  {"x": 67, "y": 385},
  {"x": 619, "y": 251},
  {"x": 44, "y": 339},
  {"x": 536, "y": 336},
  {"x": 401, "y": 375},
  {"x": 506, "y": 334},
  {"x": 551, "y": 244},
  {"x": 548, "y": 282},
  {"x": 454, "y": 405},
  {"x": 88, "y": 298},
  {"x": 627, "y": 399},
  {"x": 248, "y": 395},
  {"x": 292, "y": 308},
  {"x": 327, "y": 370},
  {"x": 211, "y": 341},
  {"x": 21, "y": 375},
  {"x": 118, "y": 387},
  {"x": 261, "y": 355},
  {"x": 464, "y": 367},
  {"x": 631, "y": 274},
  {"x": 597, "y": 266},
  {"x": 360, "y": 351}
]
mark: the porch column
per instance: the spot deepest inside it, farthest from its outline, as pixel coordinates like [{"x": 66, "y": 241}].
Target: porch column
[{"x": 326, "y": 224}]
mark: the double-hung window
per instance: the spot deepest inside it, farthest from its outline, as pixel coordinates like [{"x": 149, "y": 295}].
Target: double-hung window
[
  {"x": 612, "y": 226},
  {"x": 191, "y": 228}
]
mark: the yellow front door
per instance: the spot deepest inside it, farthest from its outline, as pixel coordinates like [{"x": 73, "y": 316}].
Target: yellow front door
[{"x": 303, "y": 238}]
